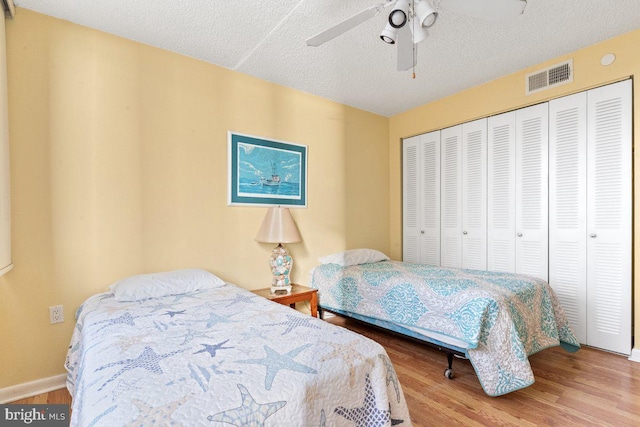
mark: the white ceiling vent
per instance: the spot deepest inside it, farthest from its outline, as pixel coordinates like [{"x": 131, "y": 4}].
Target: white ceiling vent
[{"x": 555, "y": 75}]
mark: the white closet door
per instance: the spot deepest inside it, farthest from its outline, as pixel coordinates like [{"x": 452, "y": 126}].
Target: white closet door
[
  {"x": 474, "y": 195},
  {"x": 410, "y": 200},
  {"x": 501, "y": 193},
  {"x": 567, "y": 207},
  {"x": 430, "y": 198},
  {"x": 532, "y": 200},
  {"x": 609, "y": 198},
  {"x": 451, "y": 197}
]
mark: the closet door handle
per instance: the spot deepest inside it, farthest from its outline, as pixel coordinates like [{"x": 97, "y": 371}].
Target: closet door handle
[
  {"x": 593, "y": 236},
  {"x": 464, "y": 232},
  {"x": 421, "y": 231},
  {"x": 519, "y": 234}
]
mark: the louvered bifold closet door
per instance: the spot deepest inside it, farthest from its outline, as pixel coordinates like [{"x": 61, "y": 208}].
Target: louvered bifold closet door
[
  {"x": 430, "y": 198},
  {"x": 410, "y": 199},
  {"x": 567, "y": 207},
  {"x": 501, "y": 192},
  {"x": 474, "y": 195},
  {"x": 451, "y": 197},
  {"x": 609, "y": 217},
  {"x": 421, "y": 199},
  {"x": 532, "y": 191}
]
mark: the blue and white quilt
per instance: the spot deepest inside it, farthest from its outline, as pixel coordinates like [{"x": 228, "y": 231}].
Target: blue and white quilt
[
  {"x": 502, "y": 318},
  {"x": 222, "y": 357}
]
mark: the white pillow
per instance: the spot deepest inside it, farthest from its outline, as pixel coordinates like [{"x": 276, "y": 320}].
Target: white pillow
[
  {"x": 156, "y": 285},
  {"x": 354, "y": 257}
]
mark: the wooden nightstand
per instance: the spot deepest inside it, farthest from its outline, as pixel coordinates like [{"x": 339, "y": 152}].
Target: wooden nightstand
[{"x": 298, "y": 293}]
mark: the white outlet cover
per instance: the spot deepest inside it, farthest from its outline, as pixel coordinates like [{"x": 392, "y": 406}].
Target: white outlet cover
[{"x": 56, "y": 314}]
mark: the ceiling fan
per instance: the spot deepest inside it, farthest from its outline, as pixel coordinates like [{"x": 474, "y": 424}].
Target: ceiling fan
[{"x": 409, "y": 20}]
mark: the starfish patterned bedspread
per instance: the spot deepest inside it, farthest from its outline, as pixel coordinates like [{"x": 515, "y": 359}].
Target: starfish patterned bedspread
[
  {"x": 223, "y": 357},
  {"x": 503, "y": 318}
]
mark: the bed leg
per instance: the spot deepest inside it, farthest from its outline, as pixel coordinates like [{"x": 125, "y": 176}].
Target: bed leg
[
  {"x": 448, "y": 373},
  {"x": 320, "y": 313}
]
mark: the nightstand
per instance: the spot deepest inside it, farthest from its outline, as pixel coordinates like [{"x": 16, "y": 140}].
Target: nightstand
[{"x": 298, "y": 293}]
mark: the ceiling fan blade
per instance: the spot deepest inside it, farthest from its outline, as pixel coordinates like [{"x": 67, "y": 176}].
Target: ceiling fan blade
[
  {"x": 345, "y": 26},
  {"x": 405, "y": 49},
  {"x": 485, "y": 9}
]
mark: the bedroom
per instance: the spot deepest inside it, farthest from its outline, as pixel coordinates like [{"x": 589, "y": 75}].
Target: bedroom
[{"x": 119, "y": 166}]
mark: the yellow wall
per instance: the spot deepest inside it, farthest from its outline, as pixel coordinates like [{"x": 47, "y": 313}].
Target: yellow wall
[
  {"x": 508, "y": 93},
  {"x": 119, "y": 167}
]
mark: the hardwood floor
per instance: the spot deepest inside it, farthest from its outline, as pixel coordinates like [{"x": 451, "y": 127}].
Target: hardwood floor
[
  {"x": 61, "y": 397},
  {"x": 587, "y": 388}
]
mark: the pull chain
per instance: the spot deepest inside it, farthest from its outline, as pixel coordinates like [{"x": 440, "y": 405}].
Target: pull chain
[{"x": 413, "y": 23}]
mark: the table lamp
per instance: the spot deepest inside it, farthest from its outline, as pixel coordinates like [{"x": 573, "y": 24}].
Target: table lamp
[{"x": 279, "y": 227}]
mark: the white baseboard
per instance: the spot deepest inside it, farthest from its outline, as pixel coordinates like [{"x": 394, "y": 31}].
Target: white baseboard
[
  {"x": 32, "y": 388},
  {"x": 635, "y": 355}
]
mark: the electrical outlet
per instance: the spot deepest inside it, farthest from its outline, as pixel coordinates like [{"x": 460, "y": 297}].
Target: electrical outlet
[{"x": 56, "y": 314}]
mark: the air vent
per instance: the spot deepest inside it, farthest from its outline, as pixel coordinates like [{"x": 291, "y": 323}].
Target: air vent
[{"x": 555, "y": 75}]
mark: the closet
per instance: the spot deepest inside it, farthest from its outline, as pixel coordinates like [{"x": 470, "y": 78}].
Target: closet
[
  {"x": 444, "y": 197},
  {"x": 543, "y": 191},
  {"x": 451, "y": 197},
  {"x": 518, "y": 191},
  {"x": 474, "y": 195},
  {"x": 421, "y": 199},
  {"x": 590, "y": 221}
]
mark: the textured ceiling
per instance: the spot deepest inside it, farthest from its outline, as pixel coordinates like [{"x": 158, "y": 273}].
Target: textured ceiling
[{"x": 266, "y": 39}]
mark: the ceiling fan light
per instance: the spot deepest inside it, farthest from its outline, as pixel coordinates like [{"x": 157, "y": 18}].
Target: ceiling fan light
[
  {"x": 419, "y": 33},
  {"x": 389, "y": 34},
  {"x": 400, "y": 14},
  {"x": 425, "y": 14}
]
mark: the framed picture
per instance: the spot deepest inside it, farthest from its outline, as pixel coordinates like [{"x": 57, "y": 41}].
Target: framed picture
[{"x": 266, "y": 172}]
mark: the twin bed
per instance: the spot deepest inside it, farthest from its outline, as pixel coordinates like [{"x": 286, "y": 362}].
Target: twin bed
[
  {"x": 496, "y": 320},
  {"x": 185, "y": 348}
]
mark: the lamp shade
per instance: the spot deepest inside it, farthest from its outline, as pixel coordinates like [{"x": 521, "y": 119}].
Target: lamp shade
[{"x": 278, "y": 226}]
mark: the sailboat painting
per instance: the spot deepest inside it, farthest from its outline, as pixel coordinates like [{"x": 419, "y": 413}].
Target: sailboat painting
[{"x": 266, "y": 172}]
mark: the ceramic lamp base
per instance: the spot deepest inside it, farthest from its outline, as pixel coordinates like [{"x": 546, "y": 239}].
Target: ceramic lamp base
[{"x": 280, "y": 263}]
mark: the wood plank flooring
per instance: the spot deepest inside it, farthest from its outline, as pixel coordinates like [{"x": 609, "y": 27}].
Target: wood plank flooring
[
  {"x": 60, "y": 396},
  {"x": 587, "y": 388}
]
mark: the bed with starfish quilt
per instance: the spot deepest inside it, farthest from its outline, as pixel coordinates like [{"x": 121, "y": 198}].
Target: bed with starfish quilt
[
  {"x": 495, "y": 319},
  {"x": 207, "y": 353}
]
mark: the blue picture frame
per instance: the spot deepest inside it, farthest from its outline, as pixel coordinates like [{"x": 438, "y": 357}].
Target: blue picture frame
[{"x": 266, "y": 172}]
